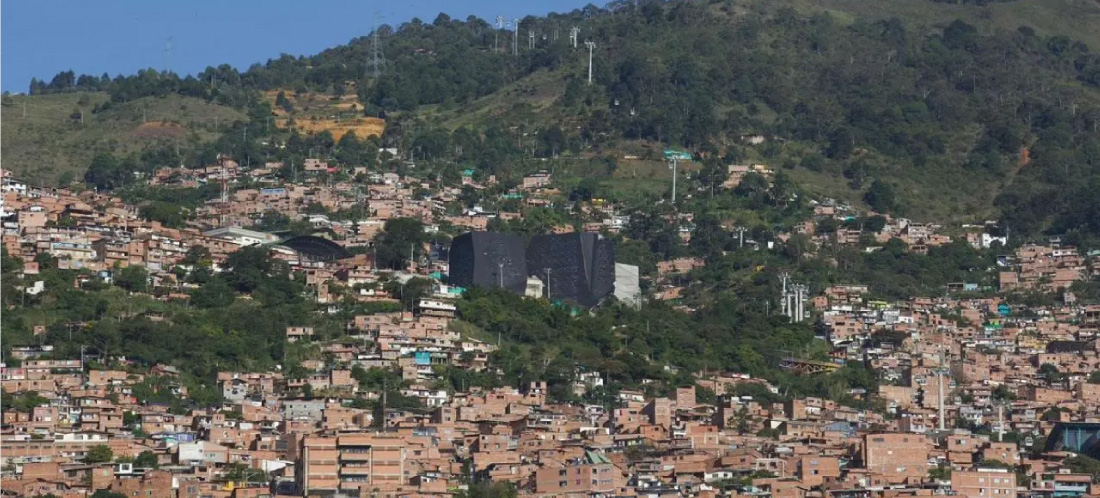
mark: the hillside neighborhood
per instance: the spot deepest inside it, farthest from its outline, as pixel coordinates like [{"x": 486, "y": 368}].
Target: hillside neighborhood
[
  {"x": 649, "y": 249},
  {"x": 976, "y": 397}
]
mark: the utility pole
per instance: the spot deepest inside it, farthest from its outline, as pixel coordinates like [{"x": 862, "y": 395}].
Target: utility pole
[
  {"x": 1000, "y": 422},
  {"x": 784, "y": 278},
  {"x": 942, "y": 422},
  {"x": 591, "y": 45},
  {"x": 675, "y": 160},
  {"x": 496, "y": 33},
  {"x": 548, "y": 283},
  {"x": 530, "y": 39},
  {"x": 574, "y": 34},
  {"x": 740, "y": 237}
]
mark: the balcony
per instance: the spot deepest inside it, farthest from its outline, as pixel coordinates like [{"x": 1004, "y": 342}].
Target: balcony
[
  {"x": 355, "y": 457},
  {"x": 358, "y": 470}
]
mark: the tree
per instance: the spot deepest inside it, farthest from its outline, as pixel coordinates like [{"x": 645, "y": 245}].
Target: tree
[
  {"x": 400, "y": 237},
  {"x": 146, "y": 460},
  {"x": 106, "y": 172},
  {"x": 489, "y": 490},
  {"x": 940, "y": 473},
  {"x": 1050, "y": 372},
  {"x": 214, "y": 294},
  {"x": 247, "y": 268},
  {"x": 133, "y": 278},
  {"x": 874, "y": 224},
  {"x": 168, "y": 214},
  {"x": 881, "y": 197},
  {"x": 841, "y": 144},
  {"x": 99, "y": 453},
  {"x": 409, "y": 292}
]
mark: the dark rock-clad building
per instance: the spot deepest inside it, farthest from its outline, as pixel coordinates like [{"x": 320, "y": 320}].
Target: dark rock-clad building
[
  {"x": 488, "y": 259},
  {"x": 577, "y": 267}
]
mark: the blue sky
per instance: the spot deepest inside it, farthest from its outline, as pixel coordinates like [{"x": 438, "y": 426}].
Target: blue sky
[{"x": 39, "y": 38}]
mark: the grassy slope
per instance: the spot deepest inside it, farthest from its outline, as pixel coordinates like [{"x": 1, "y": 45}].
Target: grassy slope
[{"x": 47, "y": 142}]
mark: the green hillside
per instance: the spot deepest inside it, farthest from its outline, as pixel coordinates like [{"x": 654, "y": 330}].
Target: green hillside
[
  {"x": 43, "y": 136},
  {"x": 962, "y": 110},
  {"x": 1076, "y": 19}
]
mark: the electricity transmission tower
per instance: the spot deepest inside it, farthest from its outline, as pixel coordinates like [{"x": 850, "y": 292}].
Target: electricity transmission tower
[
  {"x": 168, "y": 54},
  {"x": 591, "y": 46},
  {"x": 515, "y": 38},
  {"x": 377, "y": 59}
]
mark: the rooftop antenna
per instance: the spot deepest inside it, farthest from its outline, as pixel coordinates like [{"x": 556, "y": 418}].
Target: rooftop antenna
[
  {"x": 591, "y": 46},
  {"x": 377, "y": 59},
  {"x": 574, "y": 34}
]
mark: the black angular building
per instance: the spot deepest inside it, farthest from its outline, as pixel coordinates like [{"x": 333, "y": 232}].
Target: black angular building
[
  {"x": 577, "y": 267},
  {"x": 488, "y": 259}
]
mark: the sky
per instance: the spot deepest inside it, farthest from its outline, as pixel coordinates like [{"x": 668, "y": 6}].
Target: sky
[{"x": 39, "y": 38}]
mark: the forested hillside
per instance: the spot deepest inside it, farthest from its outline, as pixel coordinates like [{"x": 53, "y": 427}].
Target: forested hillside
[{"x": 965, "y": 111}]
